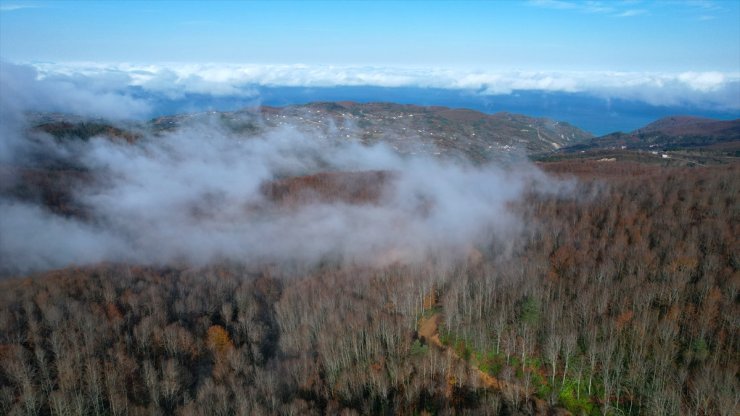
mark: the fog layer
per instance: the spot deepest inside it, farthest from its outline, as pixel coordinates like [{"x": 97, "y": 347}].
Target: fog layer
[{"x": 194, "y": 196}]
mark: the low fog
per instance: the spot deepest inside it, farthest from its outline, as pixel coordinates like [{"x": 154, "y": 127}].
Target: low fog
[{"x": 194, "y": 196}]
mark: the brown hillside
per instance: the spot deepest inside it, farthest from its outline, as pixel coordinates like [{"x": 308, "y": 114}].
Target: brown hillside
[{"x": 365, "y": 187}]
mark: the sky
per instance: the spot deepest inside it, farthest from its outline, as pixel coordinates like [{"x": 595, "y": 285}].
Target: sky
[
  {"x": 504, "y": 35},
  {"x": 674, "y": 55}
]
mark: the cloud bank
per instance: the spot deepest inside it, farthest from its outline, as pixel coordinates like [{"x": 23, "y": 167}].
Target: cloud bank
[
  {"x": 195, "y": 195},
  {"x": 703, "y": 90},
  {"x": 102, "y": 94}
]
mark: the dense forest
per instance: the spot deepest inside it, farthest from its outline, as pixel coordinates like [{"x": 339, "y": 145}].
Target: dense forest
[{"x": 619, "y": 299}]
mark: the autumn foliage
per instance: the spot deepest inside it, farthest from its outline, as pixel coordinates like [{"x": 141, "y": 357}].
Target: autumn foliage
[
  {"x": 363, "y": 187},
  {"x": 617, "y": 298},
  {"x": 218, "y": 340}
]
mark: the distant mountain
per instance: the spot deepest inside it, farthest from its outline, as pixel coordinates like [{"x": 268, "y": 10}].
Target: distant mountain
[
  {"x": 409, "y": 129},
  {"x": 85, "y": 130},
  {"x": 588, "y": 112},
  {"x": 48, "y": 177},
  {"x": 477, "y": 134},
  {"x": 671, "y": 133}
]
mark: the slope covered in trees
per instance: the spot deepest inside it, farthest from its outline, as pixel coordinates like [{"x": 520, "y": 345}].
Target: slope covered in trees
[
  {"x": 620, "y": 299},
  {"x": 671, "y": 133}
]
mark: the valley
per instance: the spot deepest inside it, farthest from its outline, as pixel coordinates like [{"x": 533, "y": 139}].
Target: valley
[{"x": 604, "y": 284}]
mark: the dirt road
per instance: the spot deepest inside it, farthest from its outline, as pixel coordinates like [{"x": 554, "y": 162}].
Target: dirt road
[{"x": 429, "y": 332}]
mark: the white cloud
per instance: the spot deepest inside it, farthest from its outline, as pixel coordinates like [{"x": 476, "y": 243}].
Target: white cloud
[
  {"x": 702, "y": 4},
  {"x": 195, "y": 195},
  {"x": 711, "y": 89},
  {"x": 120, "y": 91},
  {"x": 597, "y": 7},
  {"x": 703, "y": 81},
  {"x": 11, "y": 7},
  {"x": 606, "y": 8},
  {"x": 632, "y": 12},
  {"x": 100, "y": 94}
]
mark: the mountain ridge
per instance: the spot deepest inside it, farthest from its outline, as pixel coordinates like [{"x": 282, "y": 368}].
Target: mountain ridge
[
  {"x": 670, "y": 133},
  {"x": 408, "y": 128},
  {"x": 433, "y": 130}
]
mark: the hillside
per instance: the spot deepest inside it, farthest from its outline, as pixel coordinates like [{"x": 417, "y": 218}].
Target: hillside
[
  {"x": 408, "y": 129},
  {"x": 261, "y": 262},
  {"x": 364, "y": 187},
  {"x": 480, "y": 136},
  {"x": 620, "y": 300},
  {"x": 49, "y": 177},
  {"x": 671, "y": 133}
]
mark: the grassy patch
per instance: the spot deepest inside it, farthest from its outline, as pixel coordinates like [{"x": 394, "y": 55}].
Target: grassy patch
[
  {"x": 417, "y": 348},
  {"x": 569, "y": 399}
]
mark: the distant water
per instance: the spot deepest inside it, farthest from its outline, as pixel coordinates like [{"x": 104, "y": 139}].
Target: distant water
[{"x": 594, "y": 114}]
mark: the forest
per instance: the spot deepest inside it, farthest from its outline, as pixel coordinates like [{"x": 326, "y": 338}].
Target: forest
[{"x": 620, "y": 299}]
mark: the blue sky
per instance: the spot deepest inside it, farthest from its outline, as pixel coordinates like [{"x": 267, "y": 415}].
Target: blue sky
[{"x": 502, "y": 35}]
